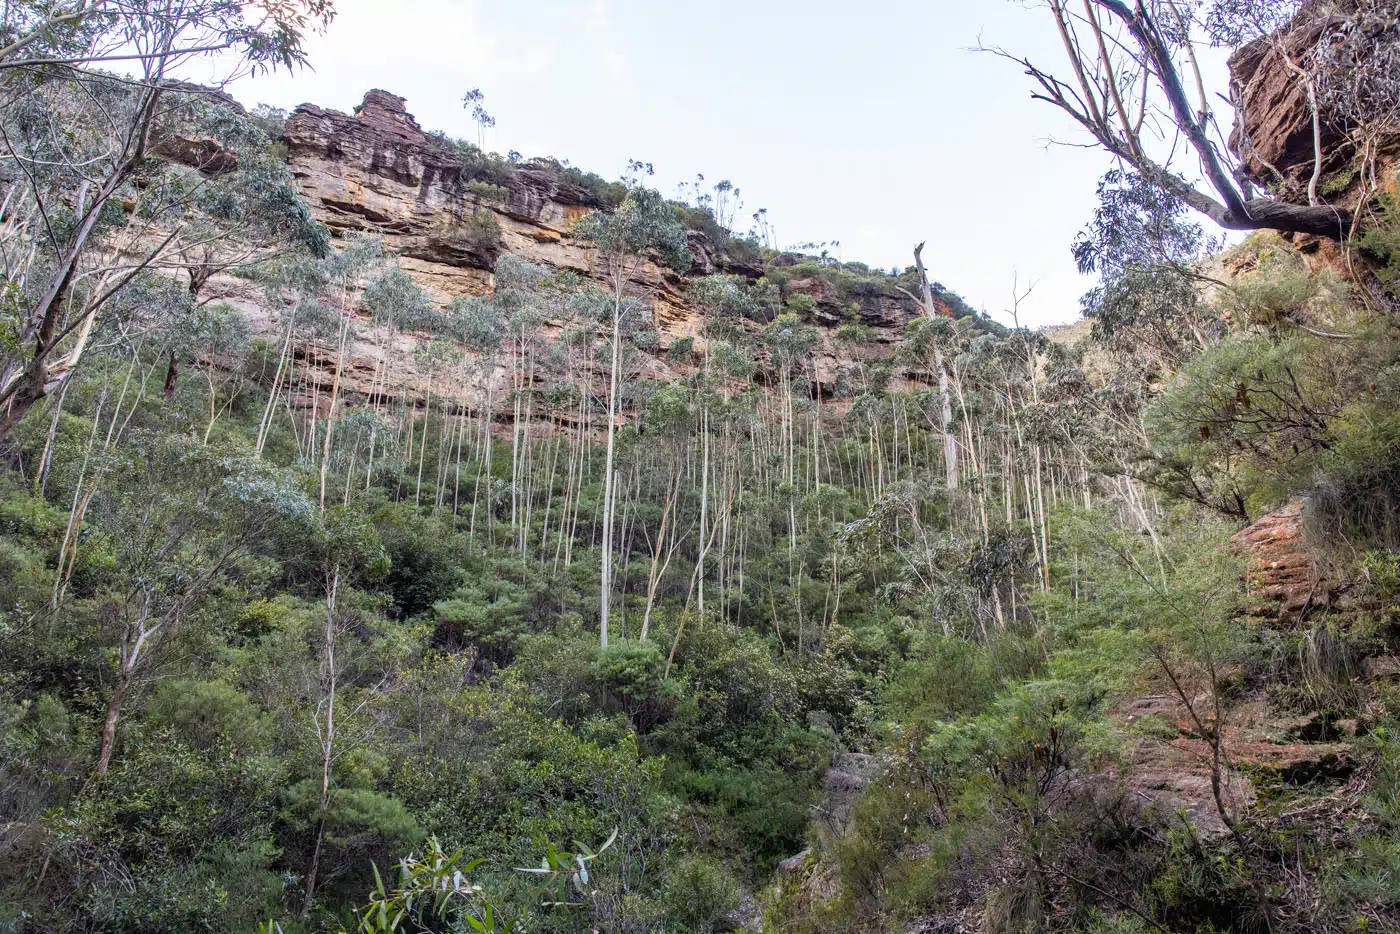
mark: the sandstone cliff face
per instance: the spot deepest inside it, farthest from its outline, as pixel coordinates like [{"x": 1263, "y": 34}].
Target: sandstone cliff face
[
  {"x": 377, "y": 172},
  {"x": 1274, "y": 137},
  {"x": 1274, "y": 129},
  {"x": 1283, "y": 580}
]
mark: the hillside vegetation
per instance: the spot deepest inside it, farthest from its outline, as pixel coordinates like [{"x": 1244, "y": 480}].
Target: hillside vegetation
[{"x": 984, "y": 629}]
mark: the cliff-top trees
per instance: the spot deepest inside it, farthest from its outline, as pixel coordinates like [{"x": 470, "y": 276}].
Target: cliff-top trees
[
  {"x": 642, "y": 224},
  {"x": 475, "y": 101}
]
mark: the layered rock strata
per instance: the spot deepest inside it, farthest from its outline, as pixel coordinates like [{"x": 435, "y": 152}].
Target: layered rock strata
[{"x": 376, "y": 172}]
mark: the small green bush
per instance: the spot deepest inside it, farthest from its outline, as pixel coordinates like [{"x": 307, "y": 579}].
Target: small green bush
[
  {"x": 204, "y": 713},
  {"x": 482, "y": 232},
  {"x": 699, "y": 894},
  {"x": 1380, "y": 242},
  {"x": 630, "y": 676},
  {"x": 486, "y": 191}
]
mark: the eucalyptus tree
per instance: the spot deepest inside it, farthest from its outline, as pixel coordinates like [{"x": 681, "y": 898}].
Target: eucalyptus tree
[
  {"x": 1135, "y": 83},
  {"x": 576, "y": 343},
  {"x": 730, "y": 362},
  {"x": 669, "y": 421},
  {"x": 724, "y": 303},
  {"x": 1033, "y": 346},
  {"x": 934, "y": 312},
  {"x": 297, "y": 290},
  {"x": 431, "y": 354},
  {"x": 519, "y": 301},
  {"x": 623, "y": 240},
  {"x": 92, "y": 32},
  {"x": 460, "y": 369},
  {"x": 395, "y": 303},
  {"x": 475, "y": 101},
  {"x": 1149, "y": 258},
  {"x": 239, "y": 213},
  {"x": 90, "y": 208},
  {"x": 481, "y": 328},
  {"x": 221, "y": 336},
  {"x": 178, "y": 518},
  {"x": 789, "y": 341},
  {"x": 348, "y": 672},
  {"x": 344, "y": 271}
]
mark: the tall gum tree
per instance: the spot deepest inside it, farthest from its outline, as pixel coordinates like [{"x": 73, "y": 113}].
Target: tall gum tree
[{"x": 622, "y": 241}]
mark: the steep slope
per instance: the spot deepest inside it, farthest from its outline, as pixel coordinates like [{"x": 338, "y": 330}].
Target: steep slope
[{"x": 378, "y": 173}]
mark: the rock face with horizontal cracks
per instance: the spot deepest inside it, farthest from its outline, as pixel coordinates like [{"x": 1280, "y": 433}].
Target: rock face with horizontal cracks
[
  {"x": 376, "y": 172},
  {"x": 1283, "y": 582}
]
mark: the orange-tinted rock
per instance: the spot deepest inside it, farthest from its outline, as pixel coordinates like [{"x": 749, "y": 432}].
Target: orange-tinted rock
[
  {"x": 1273, "y": 136},
  {"x": 1274, "y": 126},
  {"x": 1173, "y": 772},
  {"x": 377, "y": 172},
  {"x": 1282, "y": 581}
]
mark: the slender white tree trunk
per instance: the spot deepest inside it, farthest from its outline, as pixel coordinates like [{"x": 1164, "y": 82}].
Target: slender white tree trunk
[{"x": 609, "y": 485}]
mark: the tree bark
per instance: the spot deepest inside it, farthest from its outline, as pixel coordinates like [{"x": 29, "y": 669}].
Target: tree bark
[
  {"x": 945, "y": 414},
  {"x": 609, "y": 485},
  {"x": 109, "y": 724},
  {"x": 172, "y": 376}
]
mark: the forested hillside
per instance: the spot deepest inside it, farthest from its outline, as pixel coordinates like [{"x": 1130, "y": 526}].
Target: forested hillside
[{"x": 398, "y": 536}]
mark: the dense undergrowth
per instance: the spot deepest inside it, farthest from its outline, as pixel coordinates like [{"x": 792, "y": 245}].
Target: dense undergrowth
[
  {"x": 941, "y": 631},
  {"x": 320, "y": 689}
]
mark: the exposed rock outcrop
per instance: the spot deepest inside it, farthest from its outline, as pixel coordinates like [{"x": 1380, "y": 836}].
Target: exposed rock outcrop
[
  {"x": 1173, "y": 775},
  {"x": 1274, "y": 135},
  {"x": 1274, "y": 132},
  {"x": 1283, "y": 582},
  {"x": 843, "y": 783},
  {"x": 377, "y": 172}
]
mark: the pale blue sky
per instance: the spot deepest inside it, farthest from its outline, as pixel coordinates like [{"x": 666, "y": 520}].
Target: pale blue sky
[{"x": 869, "y": 124}]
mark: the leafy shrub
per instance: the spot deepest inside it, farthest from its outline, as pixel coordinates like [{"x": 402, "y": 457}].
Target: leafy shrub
[
  {"x": 603, "y": 193},
  {"x": 425, "y": 565},
  {"x": 744, "y": 250},
  {"x": 629, "y": 674},
  {"x": 495, "y": 773},
  {"x": 481, "y": 232},
  {"x": 1380, "y": 241},
  {"x": 949, "y": 676},
  {"x": 699, "y": 894},
  {"x": 358, "y": 826},
  {"x": 165, "y": 797},
  {"x": 23, "y": 577},
  {"x": 681, "y": 350},
  {"x": 486, "y": 191},
  {"x": 24, "y": 513},
  {"x": 206, "y": 713}
]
